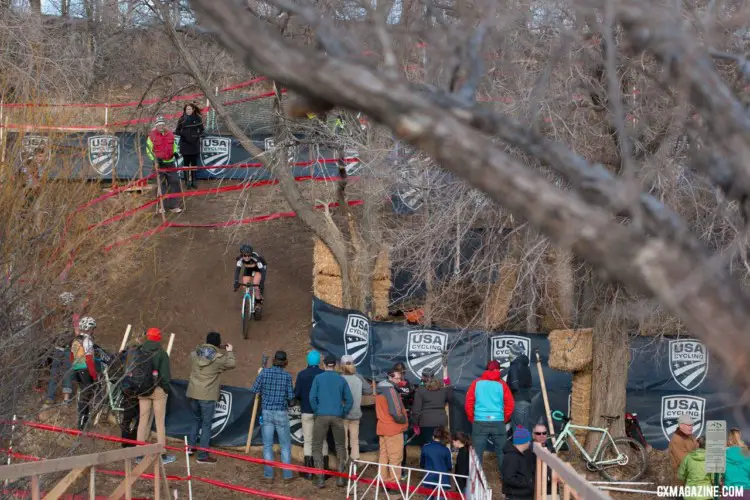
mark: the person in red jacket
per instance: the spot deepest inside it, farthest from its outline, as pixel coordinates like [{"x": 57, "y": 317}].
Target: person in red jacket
[
  {"x": 162, "y": 149},
  {"x": 489, "y": 405}
]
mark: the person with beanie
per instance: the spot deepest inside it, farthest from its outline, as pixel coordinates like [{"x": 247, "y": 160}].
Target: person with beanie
[
  {"x": 519, "y": 467},
  {"x": 162, "y": 149},
  {"x": 208, "y": 362},
  {"x": 156, "y": 402},
  {"x": 489, "y": 405},
  {"x": 302, "y": 387},
  {"x": 359, "y": 387},
  {"x": 274, "y": 385},
  {"x": 331, "y": 400}
]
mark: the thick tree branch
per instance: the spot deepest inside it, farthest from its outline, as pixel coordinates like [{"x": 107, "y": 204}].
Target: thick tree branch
[{"x": 703, "y": 296}]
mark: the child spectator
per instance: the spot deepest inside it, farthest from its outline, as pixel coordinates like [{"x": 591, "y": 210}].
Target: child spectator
[
  {"x": 462, "y": 442},
  {"x": 436, "y": 458},
  {"x": 693, "y": 470}
]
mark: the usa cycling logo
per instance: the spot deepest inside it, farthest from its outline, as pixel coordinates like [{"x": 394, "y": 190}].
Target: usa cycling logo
[
  {"x": 674, "y": 406},
  {"x": 502, "y": 345},
  {"x": 424, "y": 349},
  {"x": 295, "y": 423},
  {"x": 33, "y": 145},
  {"x": 215, "y": 152},
  {"x": 104, "y": 153},
  {"x": 357, "y": 337},
  {"x": 221, "y": 413},
  {"x": 688, "y": 363}
]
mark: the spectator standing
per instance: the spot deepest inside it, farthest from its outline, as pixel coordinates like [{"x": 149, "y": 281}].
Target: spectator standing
[
  {"x": 461, "y": 442},
  {"x": 682, "y": 441},
  {"x": 155, "y": 403},
  {"x": 331, "y": 400},
  {"x": 436, "y": 458},
  {"x": 208, "y": 362},
  {"x": 302, "y": 387},
  {"x": 358, "y": 387},
  {"x": 274, "y": 385},
  {"x": 692, "y": 470},
  {"x": 738, "y": 463},
  {"x": 130, "y": 409},
  {"x": 489, "y": 405},
  {"x": 190, "y": 130},
  {"x": 407, "y": 392},
  {"x": 519, "y": 381},
  {"x": 161, "y": 148},
  {"x": 84, "y": 367},
  {"x": 428, "y": 411},
  {"x": 392, "y": 423},
  {"x": 519, "y": 467}
]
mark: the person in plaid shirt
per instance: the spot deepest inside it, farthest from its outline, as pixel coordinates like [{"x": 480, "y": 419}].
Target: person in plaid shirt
[{"x": 275, "y": 388}]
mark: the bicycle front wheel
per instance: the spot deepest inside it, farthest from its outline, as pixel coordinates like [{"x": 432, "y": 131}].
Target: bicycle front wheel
[
  {"x": 246, "y": 317},
  {"x": 633, "y": 460}
]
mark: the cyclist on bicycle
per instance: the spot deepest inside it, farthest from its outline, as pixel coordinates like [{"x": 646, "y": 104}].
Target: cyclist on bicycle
[{"x": 251, "y": 268}]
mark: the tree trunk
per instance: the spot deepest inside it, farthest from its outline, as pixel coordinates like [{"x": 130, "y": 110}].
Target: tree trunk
[
  {"x": 65, "y": 8},
  {"x": 611, "y": 358},
  {"x": 36, "y": 7}
]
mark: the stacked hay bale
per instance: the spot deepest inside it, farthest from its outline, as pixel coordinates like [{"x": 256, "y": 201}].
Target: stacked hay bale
[
  {"x": 557, "y": 303},
  {"x": 501, "y": 294},
  {"x": 327, "y": 280},
  {"x": 572, "y": 351}
]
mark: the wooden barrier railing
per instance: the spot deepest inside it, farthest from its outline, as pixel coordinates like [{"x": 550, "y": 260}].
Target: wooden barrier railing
[
  {"x": 78, "y": 465},
  {"x": 563, "y": 474}
]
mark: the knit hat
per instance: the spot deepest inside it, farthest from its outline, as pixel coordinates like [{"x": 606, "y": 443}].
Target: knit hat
[
  {"x": 153, "y": 334},
  {"x": 493, "y": 365},
  {"x": 521, "y": 436},
  {"x": 330, "y": 360},
  {"x": 213, "y": 338},
  {"x": 313, "y": 358},
  {"x": 160, "y": 121}
]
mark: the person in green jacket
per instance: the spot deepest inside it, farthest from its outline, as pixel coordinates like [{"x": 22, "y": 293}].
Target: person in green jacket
[
  {"x": 738, "y": 462},
  {"x": 693, "y": 471},
  {"x": 208, "y": 362},
  {"x": 157, "y": 400}
]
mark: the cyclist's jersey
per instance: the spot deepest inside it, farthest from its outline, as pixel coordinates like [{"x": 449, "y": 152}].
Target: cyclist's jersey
[
  {"x": 249, "y": 268},
  {"x": 82, "y": 346}
]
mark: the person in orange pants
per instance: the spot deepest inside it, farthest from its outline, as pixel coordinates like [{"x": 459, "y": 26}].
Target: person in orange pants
[{"x": 392, "y": 422}]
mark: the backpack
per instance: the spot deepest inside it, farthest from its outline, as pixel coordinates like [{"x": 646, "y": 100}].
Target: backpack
[{"x": 139, "y": 373}]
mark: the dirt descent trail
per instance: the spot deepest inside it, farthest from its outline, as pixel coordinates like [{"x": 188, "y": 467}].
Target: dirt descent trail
[{"x": 185, "y": 285}]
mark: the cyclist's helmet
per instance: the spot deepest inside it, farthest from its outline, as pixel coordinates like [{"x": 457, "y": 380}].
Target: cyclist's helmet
[
  {"x": 246, "y": 250},
  {"x": 67, "y": 298},
  {"x": 87, "y": 324}
]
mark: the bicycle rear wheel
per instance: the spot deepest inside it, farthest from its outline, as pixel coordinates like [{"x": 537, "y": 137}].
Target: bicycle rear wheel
[
  {"x": 246, "y": 318},
  {"x": 633, "y": 469}
]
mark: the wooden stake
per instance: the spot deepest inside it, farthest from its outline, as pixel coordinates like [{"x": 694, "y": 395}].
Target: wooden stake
[
  {"x": 157, "y": 480},
  {"x": 544, "y": 396},
  {"x": 125, "y": 339},
  {"x": 35, "y": 492},
  {"x": 170, "y": 344},
  {"x": 128, "y": 480},
  {"x": 158, "y": 192},
  {"x": 252, "y": 420},
  {"x": 92, "y": 483}
]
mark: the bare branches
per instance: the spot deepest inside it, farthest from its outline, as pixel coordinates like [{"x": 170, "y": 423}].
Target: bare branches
[{"x": 657, "y": 265}]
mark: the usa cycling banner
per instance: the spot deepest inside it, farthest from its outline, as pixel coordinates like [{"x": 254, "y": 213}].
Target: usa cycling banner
[
  {"x": 667, "y": 376},
  {"x": 121, "y": 155}
]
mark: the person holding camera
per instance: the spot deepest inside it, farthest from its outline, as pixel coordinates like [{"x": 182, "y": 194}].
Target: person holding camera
[{"x": 208, "y": 362}]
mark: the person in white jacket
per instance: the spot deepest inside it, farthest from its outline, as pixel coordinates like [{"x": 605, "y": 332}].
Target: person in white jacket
[{"x": 358, "y": 386}]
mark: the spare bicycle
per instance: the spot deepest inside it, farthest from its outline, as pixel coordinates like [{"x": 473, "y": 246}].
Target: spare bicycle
[{"x": 616, "y": 459}]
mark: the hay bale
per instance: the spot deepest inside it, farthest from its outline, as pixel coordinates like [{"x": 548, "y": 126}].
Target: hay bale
[
  {"x": 580, "y": 399},
  {"x": 498, "y": 304},
  {"x": 323, "y": 261},
  {"x": 556, "y": 308},
  {"x": 328, "y": 289},
  {"x": 571, "y": 350},
  {"x": 381, "y": 298},
  {"x": 382, "y": 269}
]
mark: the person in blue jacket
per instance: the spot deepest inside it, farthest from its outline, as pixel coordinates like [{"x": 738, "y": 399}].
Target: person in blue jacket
[
  {"x": 302, "y": 387},
  {"x": 436, "y": 457},
  {"x": 331, "y": 400}
]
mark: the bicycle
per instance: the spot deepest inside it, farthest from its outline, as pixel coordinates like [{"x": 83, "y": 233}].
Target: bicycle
[
  {"x": 608, "y": 458},
  {"x": 248, "y": 308},
  {"x": 114, "y": 402}
]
